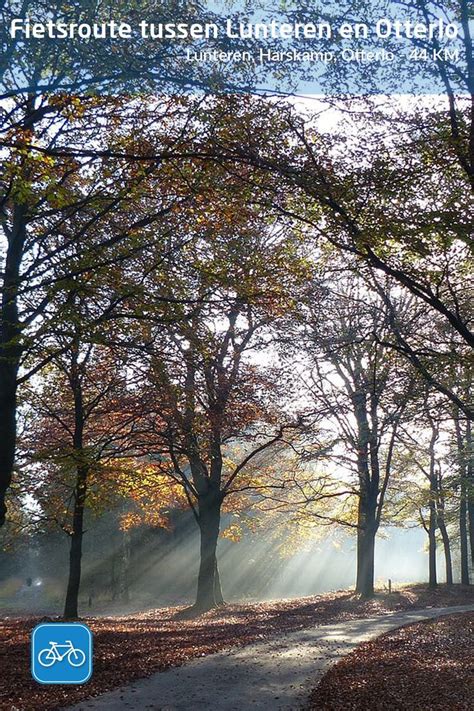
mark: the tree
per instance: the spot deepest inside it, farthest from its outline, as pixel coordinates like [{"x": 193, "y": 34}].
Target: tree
[
  {"x": 424, "y": 454},
  {"x": 34, "y": 65},
  {"x": 364, "y": 394},
  {"x": 394, "y": 201},
  {"x": 84, "y": 416},
  {"x": 464, "y": 462},
  {"x": 64, "y": 217},
  {"x": 203, "y": 370}
]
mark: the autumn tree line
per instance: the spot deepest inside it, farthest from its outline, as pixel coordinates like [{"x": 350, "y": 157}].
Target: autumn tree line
[
  {"x": 238, "y": 305},
  {"x": 232, "y": 305}
]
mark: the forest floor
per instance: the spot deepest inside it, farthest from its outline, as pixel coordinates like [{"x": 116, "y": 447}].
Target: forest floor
[
  {"x": 428, "y": 665},
  {"x": 134, "y": 646},
  {"x": 272, "y": 675}
]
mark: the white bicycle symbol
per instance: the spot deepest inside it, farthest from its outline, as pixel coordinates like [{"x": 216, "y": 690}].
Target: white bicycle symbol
[{"x": 50, "y": 655}]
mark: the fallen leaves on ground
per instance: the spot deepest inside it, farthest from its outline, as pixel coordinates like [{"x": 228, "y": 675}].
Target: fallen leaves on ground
[
  {"x": 132, "y": 646},
  {"x": 427, "y": 666}
]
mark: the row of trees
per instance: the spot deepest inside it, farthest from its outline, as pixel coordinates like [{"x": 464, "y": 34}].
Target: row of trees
[
  {"x": 311, "y": 419},
  {"x": 204, "y": 285}
]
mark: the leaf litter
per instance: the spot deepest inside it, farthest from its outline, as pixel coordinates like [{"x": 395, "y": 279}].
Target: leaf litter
[{"x": 132, "y": 646}]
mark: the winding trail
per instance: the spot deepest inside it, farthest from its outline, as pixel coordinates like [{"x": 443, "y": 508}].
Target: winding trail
[{"x": 274, "y": 675}]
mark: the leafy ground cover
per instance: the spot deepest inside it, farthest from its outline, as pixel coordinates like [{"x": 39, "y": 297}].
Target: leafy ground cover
[
  {"x": 427, "y": 666},
  {"x": 132, "y": 646}
]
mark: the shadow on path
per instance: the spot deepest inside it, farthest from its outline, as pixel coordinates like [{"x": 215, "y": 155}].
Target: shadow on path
[{"x": 273, "y": 675}]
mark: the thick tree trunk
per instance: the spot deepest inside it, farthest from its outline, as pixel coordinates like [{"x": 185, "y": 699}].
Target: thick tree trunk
[
  {"x": 369, "y": 477},
  {"x": 10, "y": 351},
  {"x": 365, "y": 562},
  {"x": 209, "y": 594},
  {"x": 80, "y": 491},
  {"x": 75, "y": 553}
]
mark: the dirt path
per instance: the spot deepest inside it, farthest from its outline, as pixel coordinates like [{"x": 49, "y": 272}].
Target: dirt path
[{"x": 275, "y": 675}]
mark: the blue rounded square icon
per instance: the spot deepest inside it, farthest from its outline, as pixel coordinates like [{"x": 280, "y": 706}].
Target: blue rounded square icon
[{"x": 61, "y": 653}]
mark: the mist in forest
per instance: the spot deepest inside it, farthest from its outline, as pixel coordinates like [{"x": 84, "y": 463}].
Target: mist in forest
[{"x": 145, "y": 568}]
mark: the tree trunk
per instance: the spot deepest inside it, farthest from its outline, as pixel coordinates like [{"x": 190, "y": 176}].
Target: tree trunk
[
  {"x": 368, "y": 471},
  {"x": 75, "y": 553},
  {"x": 470, "y": 486},
  {"x": 367, "y": 530},
  {"x": 447, "y": 551},
  {"x": 217, "y": 587},
  {"x": 464, "y": 464},
  {"x": 440, "y": 514},
  {"x": 463, "y": 534},
  {"x": 114, "y": 581},
  {"x": 7, "y": 431},
  {"x": 125, "y": 568},
  {"x": 433, "y": 578},
  {"x": 209, "y": 594},
  {"x": 470, "y": 516},
  {"x": 82, "y": 471},
  {"x": 10, "y": 351},
  {"x": 365, "y": 562}
]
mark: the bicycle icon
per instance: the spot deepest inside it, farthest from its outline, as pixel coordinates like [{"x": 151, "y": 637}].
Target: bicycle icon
[
  {"x": 61, "y": 653},
  {"x": 50, "y": 655}
]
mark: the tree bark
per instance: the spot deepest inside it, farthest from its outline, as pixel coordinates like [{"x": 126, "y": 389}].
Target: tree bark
[
  {"x": 433, "y": 577},
  {"x": 447, "y": 551},
  {"x": 369, "y": 478},
  {"x": 10, "y": 351},
  {"x": 75, "y": 553},
  {"x": 217, "y": 587},
  {"x": 365, "y": 562},
  {"x": 470, "y": 486},
  {"x": 440, "y": 512},
  {"x": 470, "y": 516},
  {"x": 209, "y": 594},
  {"x": 7, "y": 431},
  {"x": 125, "y": 567},
  {"x": 80, "y": 491},
  {"x": 463, "y": 534},
  {"x": 463, "y": 493}
]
